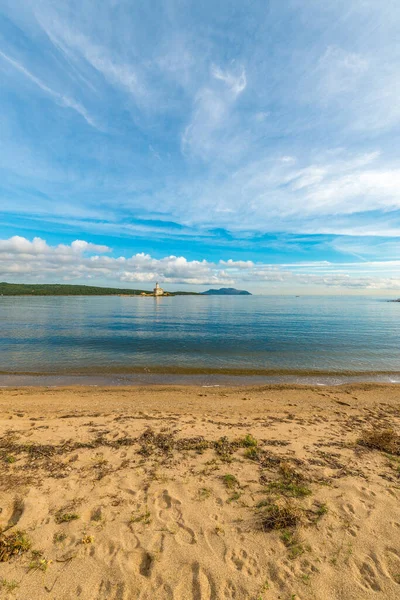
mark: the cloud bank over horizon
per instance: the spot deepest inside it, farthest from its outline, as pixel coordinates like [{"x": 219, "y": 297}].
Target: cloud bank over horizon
[
  {"x": 22, "y": 260},
  {"x": 183, "y": 136}
]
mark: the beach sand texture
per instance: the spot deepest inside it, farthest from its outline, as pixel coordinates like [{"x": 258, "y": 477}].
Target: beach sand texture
[{"x": 199, "y": 493}]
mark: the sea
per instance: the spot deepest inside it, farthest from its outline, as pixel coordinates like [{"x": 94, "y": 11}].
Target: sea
[{"x": 203, "y": 340}]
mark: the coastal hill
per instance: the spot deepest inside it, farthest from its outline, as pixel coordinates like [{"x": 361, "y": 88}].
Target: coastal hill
[
  {"x": 57, "y": 289},
  {"x": 60, "y": 289},
  {"x": 226, "y": 292}
]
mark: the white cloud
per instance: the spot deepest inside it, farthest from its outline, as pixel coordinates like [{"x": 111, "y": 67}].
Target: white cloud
[
  {"x": 210, "y": 131},
  {"x": 274, "y": 195},
  {"x": 357, "y": 89},
  {"x": 61, "y": 99},
  {"x": 24, "y": 260},
  {"x": 19, "y": 245},
  {"x": 82, "y": 246},
  {"x": 236, "y": 83},
  {"x": 339, "y": 71},
  {"x": 73, "y": 41}
]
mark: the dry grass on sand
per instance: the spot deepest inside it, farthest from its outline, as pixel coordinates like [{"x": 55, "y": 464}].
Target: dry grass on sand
[{"x": 195, "y": 493}]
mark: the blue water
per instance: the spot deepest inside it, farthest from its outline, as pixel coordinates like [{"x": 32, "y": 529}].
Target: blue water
[{"x": 120, "y": 335}]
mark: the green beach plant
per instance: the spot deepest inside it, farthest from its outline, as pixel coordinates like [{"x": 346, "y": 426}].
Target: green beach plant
[
  {"x": 230, "y": 481},
  {"x": 62, "y": 517},
  {"x": 9, "y": 585},
  {"x": 13, "y": 544}
]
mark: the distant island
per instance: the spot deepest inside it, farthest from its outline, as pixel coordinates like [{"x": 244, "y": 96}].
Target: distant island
[
  {"x": 226, "y": 292},
  {"x": 59, "y": 289}
]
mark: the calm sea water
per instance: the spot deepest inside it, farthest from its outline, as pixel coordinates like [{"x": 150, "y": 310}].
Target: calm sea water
[{"x": 117, "y": 336}]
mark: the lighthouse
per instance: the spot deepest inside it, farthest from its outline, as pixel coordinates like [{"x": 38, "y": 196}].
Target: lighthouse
[{"x": 158, "y": 291}]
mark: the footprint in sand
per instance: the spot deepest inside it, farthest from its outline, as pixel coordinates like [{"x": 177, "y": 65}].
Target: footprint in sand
[
  {"x": 203, "y": 586},
  {"x": 279, "y": 574},
  {"x": 109, "y": 591},
  {"x": 232, "y": 592},
  {"x": 34, "y": 508},
  {"x": 367, "y": 574},
  {"x": 146, "y": 564},
  {"x": 216, "y": 543},
  {"x": 105, "y": 589},
  {"x": 244, "y": 563},
  {"x": 163, "y": 590},
  {"x": 393, "y": 563},
  {"x": 17, "y": 512},
  {"x": 367, "y": 498},
  {"x": 349, "y": 509},
  {"x": 170, "y": 513},
  {"x": 183, "y": 588}
]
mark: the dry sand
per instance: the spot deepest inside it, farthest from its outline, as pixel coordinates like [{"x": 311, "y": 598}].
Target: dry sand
[{"x": 122, "y": 493}]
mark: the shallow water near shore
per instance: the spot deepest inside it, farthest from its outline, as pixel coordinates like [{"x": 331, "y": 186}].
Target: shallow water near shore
[
  {"x": 207, "y": 381},
  {"x": 199, "y": 340}
]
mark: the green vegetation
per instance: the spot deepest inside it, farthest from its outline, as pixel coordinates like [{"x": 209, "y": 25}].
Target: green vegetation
[
  {"x": 60, "y": 537},
  {"x": 252, "y": 453},
  {"x": 38, "y": 562},
  {"x": 204, "y": 493},
  {"x": 289, "y": 488},
  {"x": 249, "y": 441},
  {"x": 322, "y": 510},
  {"x": 66, "y": 517},
  {"x": 235, "y": 496},
  {"x": 57, "y": 289},
  {"x": 251, "y": 444},
  {"x": 14, "y": 544},
  {"x": 230, "y": 481},
  {"x": 291, "y": 540},
  {"x": 8, "y": 586},
  {"x": 225, "y": 449},
  {"x": 290, "y": 484},
  {"x": 277, "y": 516}
]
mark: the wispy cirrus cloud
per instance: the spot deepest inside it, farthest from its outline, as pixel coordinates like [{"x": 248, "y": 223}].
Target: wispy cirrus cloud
[
  {"x": 340, "y": 72},
  {"x": 275, "y": 194},
  {"x": 78, "y": 46},
  {"x": 59, "y": 98},
  {"x": 235, "y": 83},
  {"x": 209, "y": 132}
]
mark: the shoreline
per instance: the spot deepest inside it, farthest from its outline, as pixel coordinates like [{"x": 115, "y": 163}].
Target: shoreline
[
  {"x": 202, "y": 378},
  {"x": 190, "y": 370}
]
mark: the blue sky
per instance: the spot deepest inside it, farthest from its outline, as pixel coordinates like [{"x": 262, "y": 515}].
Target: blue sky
[{"x": 253, "y": 144}]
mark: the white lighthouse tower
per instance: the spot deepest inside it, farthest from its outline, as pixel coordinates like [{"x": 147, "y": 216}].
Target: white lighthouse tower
[{"x": 158, "y": 291}]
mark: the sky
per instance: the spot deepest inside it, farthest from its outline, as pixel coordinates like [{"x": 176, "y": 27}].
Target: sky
[{"x": 240, "y": 143}]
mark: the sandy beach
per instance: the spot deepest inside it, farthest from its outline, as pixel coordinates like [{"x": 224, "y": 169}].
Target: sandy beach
[{"x": 181, "y": 493}]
